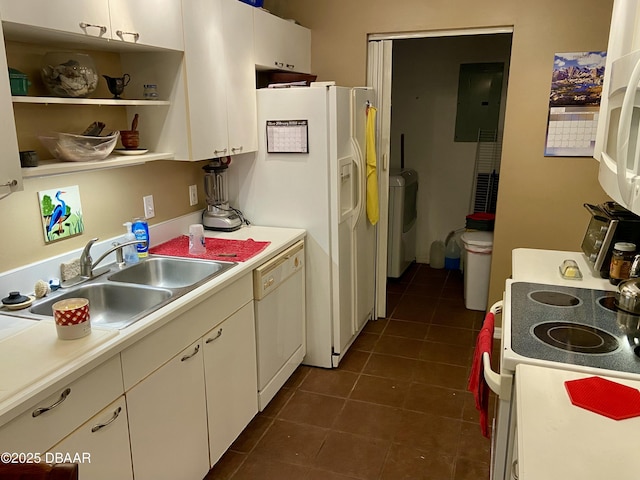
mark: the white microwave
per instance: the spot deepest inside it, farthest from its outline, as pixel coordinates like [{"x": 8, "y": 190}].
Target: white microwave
[{"x": 617, "y": 145}]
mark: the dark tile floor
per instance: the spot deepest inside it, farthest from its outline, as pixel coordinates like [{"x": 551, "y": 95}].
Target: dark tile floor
[{"x": 396, "y": 408}]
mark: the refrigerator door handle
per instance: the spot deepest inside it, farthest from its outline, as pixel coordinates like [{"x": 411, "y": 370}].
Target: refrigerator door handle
[{"x": 357, "y": 181}]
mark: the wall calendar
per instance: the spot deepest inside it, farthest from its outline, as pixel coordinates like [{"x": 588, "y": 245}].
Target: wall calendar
[{"x": 287, "y": 136}]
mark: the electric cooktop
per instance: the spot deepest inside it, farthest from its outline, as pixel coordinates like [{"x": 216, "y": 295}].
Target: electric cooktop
[{"x": 575, "y": 326}]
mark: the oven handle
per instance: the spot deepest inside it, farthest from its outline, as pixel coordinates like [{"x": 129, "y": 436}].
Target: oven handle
[{"x": 492, "y": 378}]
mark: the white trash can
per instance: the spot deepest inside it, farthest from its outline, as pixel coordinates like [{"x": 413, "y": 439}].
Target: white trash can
[{"x": 478, "y": 246}]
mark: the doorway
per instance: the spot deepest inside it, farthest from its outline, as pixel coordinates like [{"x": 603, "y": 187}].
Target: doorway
[{"x": 419, "y": 74}]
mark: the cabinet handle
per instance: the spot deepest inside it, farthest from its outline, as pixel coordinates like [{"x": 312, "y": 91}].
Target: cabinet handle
[
  {"x": 236, "y": 149},
  {"x": 187, "y": 357},
  {"x": 121, "y": 34},
  {"x": 514, "y": 470},
  {"x": 279, "y": 64},
  {"x": 84, "y": 26},
  {"x": 213, "y": 339},
  {"x": 41, "y": 410},
  {"x": 290, "y": 67},
  {"x": 97, "y": 427},
  {"x": 223, "y": 151}
]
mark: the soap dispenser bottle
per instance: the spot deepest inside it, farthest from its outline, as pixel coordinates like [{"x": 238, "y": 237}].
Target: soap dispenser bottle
[{"x": 130, "y": 252}]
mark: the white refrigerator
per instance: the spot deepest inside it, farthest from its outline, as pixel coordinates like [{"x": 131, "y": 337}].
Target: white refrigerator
[{"x": 310, "y": 173}]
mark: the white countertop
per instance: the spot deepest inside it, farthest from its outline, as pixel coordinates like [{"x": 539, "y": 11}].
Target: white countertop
[
  {"x": 62, "y": 361},
  {"x": 543, "y": 266},
  {"x": 559, "y": 440},
  {"x": 12, "y": 325}
]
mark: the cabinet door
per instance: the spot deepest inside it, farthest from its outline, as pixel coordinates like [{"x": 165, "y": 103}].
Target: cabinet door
[
  {"x": 240, "y": 77},
  {"x": 206, "y": 79},
  {"x": 168, "y": 420},
  {"x": 281, "y": 44},
  {"x": 147, "y": 22},
  {"x": 10, "y": 174},
  {"x": 231, "y": 379},
  {"x": 101, "y": 446},
  {"x": 51, "y": 419},
  {"x": 85, "y": 18}
]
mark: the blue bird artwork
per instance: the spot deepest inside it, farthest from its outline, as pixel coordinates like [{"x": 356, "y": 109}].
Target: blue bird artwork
[
  {"x": 61, "y": 213},
  {"x": 58, "y": 216}
]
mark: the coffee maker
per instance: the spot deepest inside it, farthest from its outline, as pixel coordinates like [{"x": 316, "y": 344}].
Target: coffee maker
[{"x": 219, "y": 215}]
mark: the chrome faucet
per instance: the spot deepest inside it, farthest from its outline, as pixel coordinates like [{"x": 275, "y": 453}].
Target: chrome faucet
[{"x": 87, "y": 264}]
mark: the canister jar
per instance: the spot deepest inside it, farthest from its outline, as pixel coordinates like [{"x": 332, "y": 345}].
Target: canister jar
[
  {"x": 150, "y": 91},
  {"x": 621, "y": 259}
]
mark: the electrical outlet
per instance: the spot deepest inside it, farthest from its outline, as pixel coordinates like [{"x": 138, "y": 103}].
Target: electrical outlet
[
  {"x": 149, "y": 209},
  {"x": 193, "y": 195}
]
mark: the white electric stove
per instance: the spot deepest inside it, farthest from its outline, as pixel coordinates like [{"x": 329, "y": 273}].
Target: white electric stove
[{"x": 554, "y": 322}]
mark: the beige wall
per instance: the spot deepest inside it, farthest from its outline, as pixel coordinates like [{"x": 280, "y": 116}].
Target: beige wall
[
  {"x": 540, "y": 199},
  {"x": 109, "y": 198}
]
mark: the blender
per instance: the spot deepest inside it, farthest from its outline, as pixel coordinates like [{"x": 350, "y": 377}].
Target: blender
[{"x": 218, "y": 214}]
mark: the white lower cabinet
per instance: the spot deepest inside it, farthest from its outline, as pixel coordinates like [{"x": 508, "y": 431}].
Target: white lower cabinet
[
  {"x": 51, "y": 419},
  {"x": 230, "y": 378},
  {"x": 158, "y": 410},
  {"x": 100, "y": 446},
  {"x": 168, "y": 420}
]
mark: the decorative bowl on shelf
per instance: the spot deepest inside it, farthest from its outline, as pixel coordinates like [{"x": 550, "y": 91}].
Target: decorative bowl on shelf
[
  {"x": 69, "y": 147},
  {"x": 69, "y": 74}
]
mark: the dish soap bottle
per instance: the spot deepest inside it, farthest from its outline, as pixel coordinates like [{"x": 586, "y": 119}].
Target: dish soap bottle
[
  {"x": 130, "y": 253},
  {"x": 141, "y": 232}
]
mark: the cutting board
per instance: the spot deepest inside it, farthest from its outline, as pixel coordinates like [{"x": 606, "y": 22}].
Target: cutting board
[{"x": 35, "y": 352}]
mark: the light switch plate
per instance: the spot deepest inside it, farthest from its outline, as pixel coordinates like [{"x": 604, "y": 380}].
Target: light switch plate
[
  {"x": 149, "y": 209},
  {"x": 193, "y": 195}
]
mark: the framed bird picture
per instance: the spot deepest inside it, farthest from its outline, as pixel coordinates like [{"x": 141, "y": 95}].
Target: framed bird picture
[{"x": 61, "y": 213}]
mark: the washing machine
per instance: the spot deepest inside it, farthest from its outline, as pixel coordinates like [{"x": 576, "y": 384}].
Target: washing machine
[{"x": 401, "y": 242}]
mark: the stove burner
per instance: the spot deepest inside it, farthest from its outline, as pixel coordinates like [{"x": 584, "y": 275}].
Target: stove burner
[
  {"x": 608, "y": 302},
  {"x": 556, "y": 299},
  {"x": 575, "y": 337}
]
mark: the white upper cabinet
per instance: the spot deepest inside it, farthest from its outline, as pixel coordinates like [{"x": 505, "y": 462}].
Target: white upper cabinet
[
  {"x": 10, "y": 174},
  {"x": 206, "y": 82},
  {"x": 242, "y": 110},
  {"x": 155, "y": 23},
  {"x": 147, "y": 22},
  {"x": 281, "y": 44},
  {"x": 85, "y": 18},
  {"x": 220, "y": 77}
]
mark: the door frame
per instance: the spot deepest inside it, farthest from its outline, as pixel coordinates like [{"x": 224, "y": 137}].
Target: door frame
[{"x": 379, "y": 76}]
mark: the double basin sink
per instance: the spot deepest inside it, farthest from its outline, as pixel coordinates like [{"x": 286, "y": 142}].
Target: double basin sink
[{"x": 117, "y": 300}]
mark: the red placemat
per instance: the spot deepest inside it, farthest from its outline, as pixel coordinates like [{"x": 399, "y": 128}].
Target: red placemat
[
  {"x": 605, "y": 397},
  {"x": 217, "y": 249}
]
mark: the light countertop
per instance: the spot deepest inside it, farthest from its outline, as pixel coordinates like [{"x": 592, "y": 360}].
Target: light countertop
[
  {"x": 557, "y": 439},
  {"x": 37, "y": 362},
  {"x": 543, "y": 266}
]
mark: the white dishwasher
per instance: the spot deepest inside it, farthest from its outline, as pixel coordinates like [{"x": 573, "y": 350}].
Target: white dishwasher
[{"x": 279, "y": 293}]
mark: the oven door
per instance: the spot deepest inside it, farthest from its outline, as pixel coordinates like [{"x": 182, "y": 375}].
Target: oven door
[{"x": 504, "y": 422}]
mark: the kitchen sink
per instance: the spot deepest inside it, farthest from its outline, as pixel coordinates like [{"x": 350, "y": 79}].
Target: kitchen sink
[
  {"x": 110, "y": 304},
  {"x": 120, "y": 299},
  {"x": 170, "y": 272}
]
